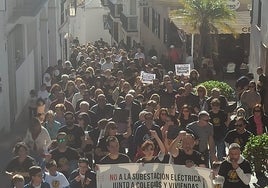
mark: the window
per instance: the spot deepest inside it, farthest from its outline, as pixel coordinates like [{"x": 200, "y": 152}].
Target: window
[
  {"x": 146, "y": 16},
  {"x": 19, "y": 44},
  {"x": 259, "y": 14},
  {"x": 16, "y": 38},
  {"x": 133, "y": 7},
  {"x": 62, "y": 16},
  {"x": 118, "y": 9},
  {"x": 264, "y": 56},
  {"x": 156, "y": 23},
  {"x": 165, "y": 31}
]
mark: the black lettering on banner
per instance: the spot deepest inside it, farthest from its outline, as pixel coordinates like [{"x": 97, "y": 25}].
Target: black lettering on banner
[
  {"x": 127, "y": 176},
  {"x": 155, "y": 180},
  {"x": 182, "y": 185}
]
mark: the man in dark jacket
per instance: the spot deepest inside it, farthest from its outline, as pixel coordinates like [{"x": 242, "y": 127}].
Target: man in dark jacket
[{"x": 83, "y": 177}]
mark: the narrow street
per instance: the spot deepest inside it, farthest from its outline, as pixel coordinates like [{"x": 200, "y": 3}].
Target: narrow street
[
  {"x": 7, "y": 141},
  {"x": 74, "y": 63}
]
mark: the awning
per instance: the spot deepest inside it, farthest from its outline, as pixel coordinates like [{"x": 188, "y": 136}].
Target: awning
[{"x": 240, "y": 25}]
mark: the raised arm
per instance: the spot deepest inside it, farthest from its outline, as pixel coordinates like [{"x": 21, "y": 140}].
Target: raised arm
[
  {"x": 158, "y": 140},
  {"x": 173, "y": 149},
  {"x": 129, "y": 131}
]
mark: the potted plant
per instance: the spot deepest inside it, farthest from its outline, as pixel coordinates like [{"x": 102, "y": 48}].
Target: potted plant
[
  {"x": 256, "y": 152},
  {"x": 225, "y": 89}
]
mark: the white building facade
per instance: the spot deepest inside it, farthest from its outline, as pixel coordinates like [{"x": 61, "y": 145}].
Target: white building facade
[
  {"x": 29, "y": 43},
  {"x": 259, "y": 36},
  {"x": 89, "y": 22},
  {"x": 140, "y": 21}
]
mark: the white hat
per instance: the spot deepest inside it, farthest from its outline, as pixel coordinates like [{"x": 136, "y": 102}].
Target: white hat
[{"x": 154, "y": 58}]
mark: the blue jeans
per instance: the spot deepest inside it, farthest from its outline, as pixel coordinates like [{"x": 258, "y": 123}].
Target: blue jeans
[{"x": 220, "y": 149}]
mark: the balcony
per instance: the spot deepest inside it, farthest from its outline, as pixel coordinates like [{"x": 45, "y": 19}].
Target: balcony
[
  {"x": 129, "y": 22},
  {"x": 115, "y": 9},
  {"x": 26, "y": 8},
  {"x": 105, "y": 3},
  {"x": 163, "y": 2}
]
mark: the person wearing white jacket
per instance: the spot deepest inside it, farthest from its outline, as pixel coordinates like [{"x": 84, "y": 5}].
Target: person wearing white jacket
[
  {"x": 235, "y": 171},
  {"x": 37, "y": 139}
]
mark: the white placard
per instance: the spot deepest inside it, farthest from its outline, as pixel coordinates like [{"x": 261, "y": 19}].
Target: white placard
[
  {"x": 147, "y": 78},
  {"x": 182, "y": 69},
  {"x": 151, "y": 175}
]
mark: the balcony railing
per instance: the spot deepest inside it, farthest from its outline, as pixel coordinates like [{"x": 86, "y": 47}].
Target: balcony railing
[
  {"x": 105, "y": 3},
  {"x": 26, "y": 8},
  {"x": 129, "y": 22},
  {"x": 115, "y": 9}
]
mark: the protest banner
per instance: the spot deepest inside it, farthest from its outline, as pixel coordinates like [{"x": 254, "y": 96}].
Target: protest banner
[
  {"x": 182, "y": 69},
  {"x": 147, "y": 78},
  {"x": 152, "y": 175}
]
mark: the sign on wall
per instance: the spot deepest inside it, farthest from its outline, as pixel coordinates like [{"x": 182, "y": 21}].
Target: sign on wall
[{"x": 152, "y": 175}]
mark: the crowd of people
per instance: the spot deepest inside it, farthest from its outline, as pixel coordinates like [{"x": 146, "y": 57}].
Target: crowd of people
[{"x": 95, "y": 109}]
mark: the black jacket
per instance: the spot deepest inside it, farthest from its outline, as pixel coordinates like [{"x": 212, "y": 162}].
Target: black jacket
[
  {"x": 251, "y": 127},
  {"x": 89, "y": 174}
]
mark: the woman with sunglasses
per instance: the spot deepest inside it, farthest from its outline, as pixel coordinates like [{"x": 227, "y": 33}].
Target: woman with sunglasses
[
  {"x": 186, "y": 116},
  {"x": 239, "y": 134},
  {"x": 161, "y": 116},
  {"x": 257, "y": 123}
]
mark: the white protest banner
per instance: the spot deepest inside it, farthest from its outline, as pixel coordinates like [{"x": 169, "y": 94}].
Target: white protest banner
[
  {"x": 147, "y": 78},
  {"x": 182, "y": 69},
  {"x": 152, "y": 175}
]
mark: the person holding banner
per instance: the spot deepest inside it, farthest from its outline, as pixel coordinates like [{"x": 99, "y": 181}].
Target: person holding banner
[
  {"x": 186, "y": 155},
  {"x": 235, "y": 171},
  {"x": 111, "y": 129},
  {"x": 114, "y": 156},
  {"x": 143, "y": 133},
  {"x": 148, "y": 150}
]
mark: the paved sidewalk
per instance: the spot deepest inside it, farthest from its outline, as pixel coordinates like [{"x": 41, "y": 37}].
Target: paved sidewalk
[{"x": 7, "y": 141}]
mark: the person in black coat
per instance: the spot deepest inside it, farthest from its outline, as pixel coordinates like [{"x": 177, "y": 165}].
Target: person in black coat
[{"x": 83, "y": 177}]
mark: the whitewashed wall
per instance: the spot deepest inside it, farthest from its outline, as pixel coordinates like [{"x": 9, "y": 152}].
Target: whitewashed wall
[
  {"x": 88, "y": 24},
  {"x": 4, "y": 94},
  {"x": 258, "y": 37}
]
